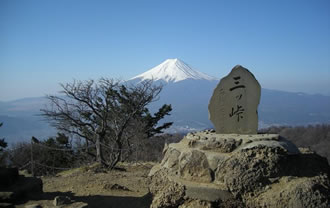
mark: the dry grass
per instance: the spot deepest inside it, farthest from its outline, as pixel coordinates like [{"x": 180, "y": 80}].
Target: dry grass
[{"x": 124, "y": 187}]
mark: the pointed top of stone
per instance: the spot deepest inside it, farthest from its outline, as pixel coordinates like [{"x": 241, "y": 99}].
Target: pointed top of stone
[
  {"x": 238, "y": 66},
  {"x": 234, "y": 103}
]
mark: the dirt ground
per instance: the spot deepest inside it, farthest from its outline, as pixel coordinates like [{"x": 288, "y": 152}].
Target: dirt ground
[{"x": 125, "y": 187}]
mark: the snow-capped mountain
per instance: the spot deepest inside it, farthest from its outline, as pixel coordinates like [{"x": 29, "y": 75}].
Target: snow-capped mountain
[
  {"x": 173, "y": 70},
  {"x": 186, "y": 89}
]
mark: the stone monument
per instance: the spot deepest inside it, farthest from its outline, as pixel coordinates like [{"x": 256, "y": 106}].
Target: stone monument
[
  {"x": 233, "y": 105},
  {"x": 234, "y": 166}
]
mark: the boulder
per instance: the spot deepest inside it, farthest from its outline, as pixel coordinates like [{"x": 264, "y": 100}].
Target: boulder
[{"x": 206, "y": 169}]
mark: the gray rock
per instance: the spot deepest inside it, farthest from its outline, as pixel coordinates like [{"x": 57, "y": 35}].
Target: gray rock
[
  {"x": 196, "y": 204},
  {"x": 310, "y": 192},
  {"x": 61, "y": 200},
  {"x": 166, "y": 193},
  {"x": 225, "y": 146},
  {"x": 282, "y": 143},
  {"x": 207, "y": 193},
  {"x": 249, "y": 169},
  {"x": 194, "y": 166},
  {"x": 263, "y": 170},
  {"x": 234, "y": 103},
  {"x": 171, "y": 159}
]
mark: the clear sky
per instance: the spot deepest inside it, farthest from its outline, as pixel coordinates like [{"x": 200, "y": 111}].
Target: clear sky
[{"x": 285, "y": 43}]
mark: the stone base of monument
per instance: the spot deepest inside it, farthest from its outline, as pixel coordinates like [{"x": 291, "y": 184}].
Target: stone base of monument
[{"x": 207, "y": 169}]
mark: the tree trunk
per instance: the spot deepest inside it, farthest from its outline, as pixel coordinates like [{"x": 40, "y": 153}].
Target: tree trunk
[
  {"x": 117, "y": 155},
  {"x": 99, "y": 154}
]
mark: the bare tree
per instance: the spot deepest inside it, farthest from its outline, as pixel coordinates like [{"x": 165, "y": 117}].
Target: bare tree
[{"x": 103, "y": 113}]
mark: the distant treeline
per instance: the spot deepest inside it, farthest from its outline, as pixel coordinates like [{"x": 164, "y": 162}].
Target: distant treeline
[{"x": 316, "y": 137}]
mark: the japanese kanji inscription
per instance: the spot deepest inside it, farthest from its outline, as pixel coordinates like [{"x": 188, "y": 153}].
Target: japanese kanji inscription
[{"x": 234, "y": 103}]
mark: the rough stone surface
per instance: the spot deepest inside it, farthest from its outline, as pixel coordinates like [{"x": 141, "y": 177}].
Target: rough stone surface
[
  {"x": 194, "y": 166},
  {"x": 172, "y": 159},
  {"x": 166, "y": 193},
  {"x": 295, "y": 192},
  {"x": 196, "y": 204},
  {"x": 61, "y": 200},
  {"x": 206, "y": 169},
  {"x": 206, "y": 192},
  {"x": 234, "y": 103}
]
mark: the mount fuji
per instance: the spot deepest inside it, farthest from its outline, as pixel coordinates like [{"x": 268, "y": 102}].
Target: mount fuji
[
  {"x": 186, "y": 89},
  {"x": 171, "y": 71}
]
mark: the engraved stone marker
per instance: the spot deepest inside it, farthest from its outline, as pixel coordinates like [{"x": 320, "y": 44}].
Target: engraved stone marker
[{"x": 234, "y": 103}]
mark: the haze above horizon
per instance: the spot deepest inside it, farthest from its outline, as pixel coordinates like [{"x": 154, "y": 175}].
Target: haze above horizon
[{"x": 285, "y": 44}]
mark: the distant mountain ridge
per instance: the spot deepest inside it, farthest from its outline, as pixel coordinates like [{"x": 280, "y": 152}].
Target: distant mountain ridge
[{"x": 189, "y": 92}]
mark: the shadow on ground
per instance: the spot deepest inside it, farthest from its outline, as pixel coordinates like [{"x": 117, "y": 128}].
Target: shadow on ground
[{"x": 97, "y": 201}]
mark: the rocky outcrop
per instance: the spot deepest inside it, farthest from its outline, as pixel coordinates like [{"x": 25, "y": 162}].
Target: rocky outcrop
[{"x": 207, "y": 169}]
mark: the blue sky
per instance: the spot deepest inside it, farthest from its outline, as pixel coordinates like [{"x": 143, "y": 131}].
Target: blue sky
[{"x": 286, "y": 44}]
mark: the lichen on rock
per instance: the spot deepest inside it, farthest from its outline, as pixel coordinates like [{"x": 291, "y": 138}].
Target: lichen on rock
[{"x": 206, "y": 169}]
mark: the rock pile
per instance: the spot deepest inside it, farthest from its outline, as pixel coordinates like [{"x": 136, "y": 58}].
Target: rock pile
[{"x": 207, "y": 169}]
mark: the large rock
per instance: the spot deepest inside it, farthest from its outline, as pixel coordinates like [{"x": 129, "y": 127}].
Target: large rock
[
  {"x": 166, "y": 192},
  {"x": 207, "y": 169},
  {"x": 194, "y": 166},
  {"x": 234, "y": 103}
]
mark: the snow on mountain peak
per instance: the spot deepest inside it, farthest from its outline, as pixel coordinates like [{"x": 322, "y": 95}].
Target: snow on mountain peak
[{"x": 173, "y": 70}]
